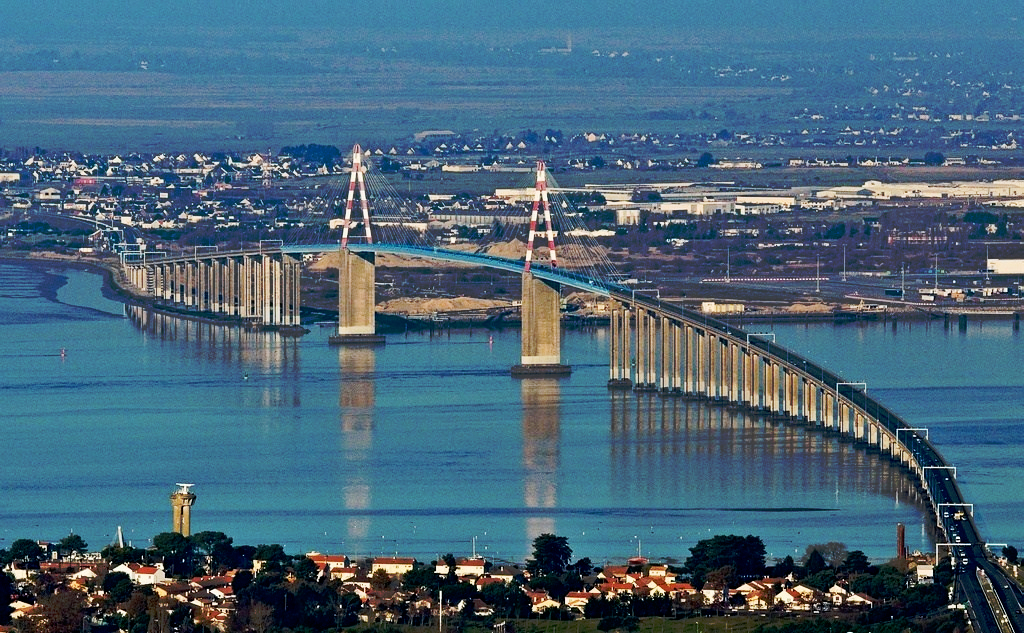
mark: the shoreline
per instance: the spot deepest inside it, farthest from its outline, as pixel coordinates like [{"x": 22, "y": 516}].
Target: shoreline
[{"x": 114, "y": 290}]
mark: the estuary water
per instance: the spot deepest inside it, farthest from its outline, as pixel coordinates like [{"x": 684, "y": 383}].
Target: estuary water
[{"x": 426, "y": 445}]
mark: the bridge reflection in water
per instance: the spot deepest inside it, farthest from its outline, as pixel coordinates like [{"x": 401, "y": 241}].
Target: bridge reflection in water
[
  {"x": 541, "y": 398},
  {"x": 657, "y": 446},
  {"x": 732, "y": 451},
  {"x": 261, "y": 354},
  {"x": 357, "y": 398}
]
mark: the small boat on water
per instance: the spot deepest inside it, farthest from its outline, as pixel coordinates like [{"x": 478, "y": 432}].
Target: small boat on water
[{"x": 861, "y": 311}]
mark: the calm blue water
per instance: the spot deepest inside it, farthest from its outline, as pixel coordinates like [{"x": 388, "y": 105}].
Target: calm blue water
[{"x": 422, "y": 445}]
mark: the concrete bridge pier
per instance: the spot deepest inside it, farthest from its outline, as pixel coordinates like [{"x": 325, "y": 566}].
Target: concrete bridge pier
[
  {"x": 735, "y": 372},
  {"x": 677, "y": 357},
  {"x": 828, "y": 410},
  {"x": 542, "y": 329},
  {"x": 757, "y": 381},
  {"x": 356, "y": 300},
  {"x": 619, "y": 352},
  {"x": 719, "y": 374},
  {"x": 646, "y": 352},
  {"x": 671, "y": 352},
  {"x": 747, "y": 368}
]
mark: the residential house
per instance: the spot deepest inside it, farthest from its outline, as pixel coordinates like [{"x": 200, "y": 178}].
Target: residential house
[
  {"x": 860, "y": 600},
  {"x": 142, "y": 574},
  {"x": 392, "y": 565}
]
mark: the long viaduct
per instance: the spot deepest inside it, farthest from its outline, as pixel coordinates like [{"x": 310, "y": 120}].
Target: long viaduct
[{"x": 655, "y": 346}]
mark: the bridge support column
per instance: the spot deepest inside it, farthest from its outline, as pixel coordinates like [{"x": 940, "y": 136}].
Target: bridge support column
[
  {"x": 665, "y": 380},
  {"x": 735, "y": 373},
  {"x": 640, "y": 359},
  {"x": 230, "y": 287},
  {"x": 746, "y": 364},
  {"x": 771, "y": 387},
  {"x": 652, "y": 350},
  {"x": 677, "y": 356},
  {"x": 754, "y": 371},
  {"x": 291, "y": 300},
  {"x": 688, "y": 360},
  {"x": 646, "y": 378},
  {"x": 542, "y": 329},
  {"x": 250, "y": 287},
  {"x": 619, "y": 349},
  {"x": 191, "y": 284},
  {"x": 714, "y": 364},
  {"x": 805, "y": 399},
  {"x": 831, "y": 416},
  {"x": 816, "y": 404},
  {"x": 204, "y": 278},
  {"x": 787, "y": 392},
  {"x": 356, "y": 300}
]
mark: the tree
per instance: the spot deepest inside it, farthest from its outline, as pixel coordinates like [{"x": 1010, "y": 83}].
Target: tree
[
  {"x": 833, "y": 552},
  {"x": 449, "y": 560},
  {"x": 784, "y": 567},
  {"x": 745, "y": 554},
  {"x": 26, "y": 550},
  {"x": 420, "y": 576},
  {"x": 553, "y": 585},
  {"x": 1010, "y": 552},
  {"x": 583, "y": 567},
  {"x": 506, "y": 599},
  {"x": 117, "y": 555},
  {"x": 241, "y": 581},
  {"x": 272, "y": 553},
  {"x": 885, "y": 585},
  {"x": 176, "y": 551},
  {"x": 457, "y": 592},
  {"x": 216, "y": 545},
  {"x": 821, "y": 580},
  {"x": 815, "y": 563},
  {"x": 934, "y": 159},
  {"x": 260, "y": 617},
  {"x": 943, "y": 573},
  {"x": 63, "y": 611},
  {"x": 118, "y": 586},
  {"x": 306, "y": 569},
  {"x": 380, "y": 580},
  {"x": 856, "y": 563},
  {"x": 705, "y": 160},
  {"x": 170, "y": 544},
  {"x": 72, "y": 543},
  {"x": 836, "y": 231},
  {"x": 551, "y": 555}
]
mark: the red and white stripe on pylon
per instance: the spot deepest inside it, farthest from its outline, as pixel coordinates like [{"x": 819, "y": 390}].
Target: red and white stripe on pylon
[
  {"x": 354, "y": 179},
  {"x": 540, "y": 200}
]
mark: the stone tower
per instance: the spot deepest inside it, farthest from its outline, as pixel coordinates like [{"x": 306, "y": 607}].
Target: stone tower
[{"x": 181, "y": 509}]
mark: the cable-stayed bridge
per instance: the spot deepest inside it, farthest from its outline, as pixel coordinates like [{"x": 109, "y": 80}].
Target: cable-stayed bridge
[{"x": 655, "y": 345}]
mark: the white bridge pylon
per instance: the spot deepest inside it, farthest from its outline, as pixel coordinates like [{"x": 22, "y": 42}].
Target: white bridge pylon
[
  {"x": 540, "y": 200},
  {"x": 356, "y": 179}
]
